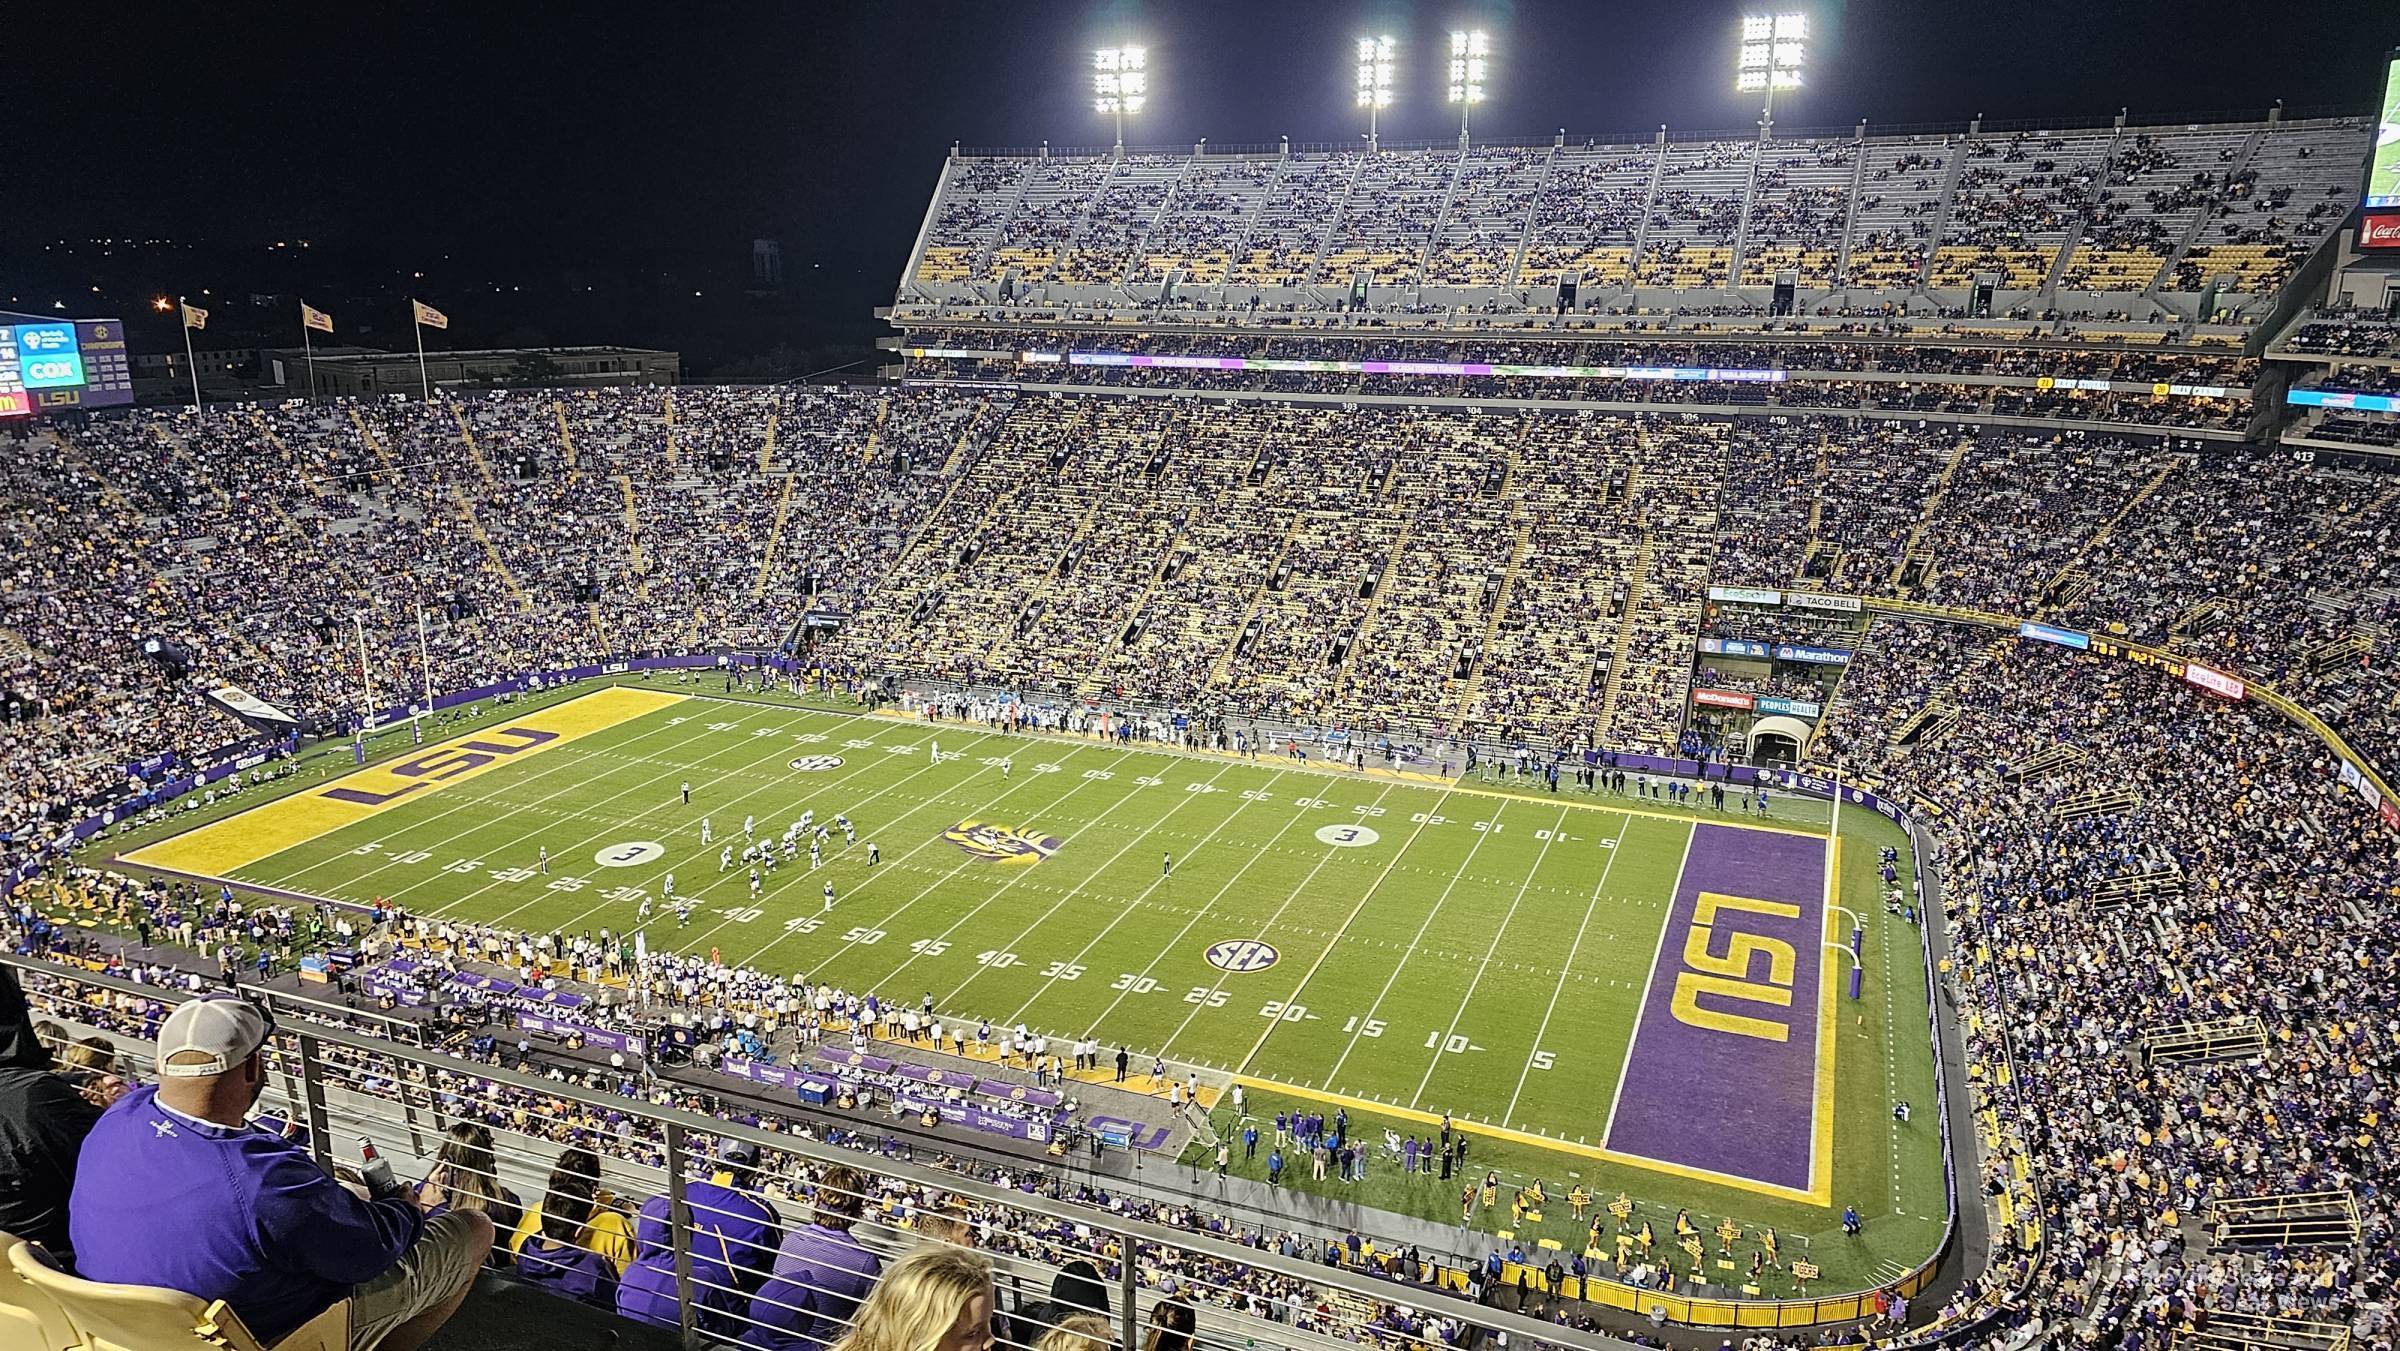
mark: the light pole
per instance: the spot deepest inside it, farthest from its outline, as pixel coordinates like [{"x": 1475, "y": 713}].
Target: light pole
[
  {"x": 1467, "y": 63},
  {"x": 1774, "y": 48},
  {"x": 1374, "y": 80},
  {"x": 1121, "y": 83}
]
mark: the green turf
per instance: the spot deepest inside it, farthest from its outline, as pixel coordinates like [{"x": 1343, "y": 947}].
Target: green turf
[{"x": 1494, "y": 922}]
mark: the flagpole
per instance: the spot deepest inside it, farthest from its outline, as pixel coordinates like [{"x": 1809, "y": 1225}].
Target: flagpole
[
  {"x": 308, "y": 349},
  {"x": 183, "y": 312},
  {"x": 424, "y": 662},
  {"x": 424, "y": 386}
]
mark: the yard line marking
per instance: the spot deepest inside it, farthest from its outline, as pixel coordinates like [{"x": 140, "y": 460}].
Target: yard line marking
[
  {"x": 610, "y": 826},
  {"x": 1649, "y": 977},
  {"x": 1077, "y": 889},
  {"x": 1568, "y": 967},
  {"x": 1269, "y": 926},
  {"x": 1142, "y": 900},
  {"x": 1334, "y": 1074},
  {"x": 712, "y": 881},
  {"x": 963, "y": 864},
  {"x": 1299, "y": 814},
  {"x": 1025, "y": 872}
]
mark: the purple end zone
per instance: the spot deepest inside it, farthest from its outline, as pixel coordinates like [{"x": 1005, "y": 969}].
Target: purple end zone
[{"x": 1707, "y": 1083}]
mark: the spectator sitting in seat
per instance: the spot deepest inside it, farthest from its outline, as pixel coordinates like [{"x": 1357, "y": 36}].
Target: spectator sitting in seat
[
  {"x": 606, "y": 1230},
  {"x": 43, "y": 1120},
  {"x": 556, "y": 1255},
  {"x": 932, "y": 1299},
  {"x": 174, "y": 1189},
  {"x": 732, "y": 1241},
  {"x": 821, "y": 1273},
  {"x": 465, "y": 1176}
]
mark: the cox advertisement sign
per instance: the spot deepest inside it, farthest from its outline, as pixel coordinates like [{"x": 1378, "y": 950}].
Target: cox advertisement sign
[{"x": 47, "y": 356}]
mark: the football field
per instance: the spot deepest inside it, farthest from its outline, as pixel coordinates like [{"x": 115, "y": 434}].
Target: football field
[{"x": 1658, "y": 999}]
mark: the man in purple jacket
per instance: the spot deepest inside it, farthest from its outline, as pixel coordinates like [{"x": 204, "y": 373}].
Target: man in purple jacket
[
  {"x": 822, "y": 1274},
  {"x": 173, "y": 1189}
]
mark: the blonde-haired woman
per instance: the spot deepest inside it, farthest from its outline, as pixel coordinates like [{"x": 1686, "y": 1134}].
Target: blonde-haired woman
[
  {"x": 465, "y": 1176},
  {"x": 1077, "y": 1332},
  {"x": 934, "y": 1299}
]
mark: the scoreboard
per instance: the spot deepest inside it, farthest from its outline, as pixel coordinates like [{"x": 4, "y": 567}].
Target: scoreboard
[{"x": 57, "y": 364}]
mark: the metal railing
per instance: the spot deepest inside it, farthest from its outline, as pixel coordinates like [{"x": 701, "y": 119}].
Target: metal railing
[{"x": 715, "y": 1226}]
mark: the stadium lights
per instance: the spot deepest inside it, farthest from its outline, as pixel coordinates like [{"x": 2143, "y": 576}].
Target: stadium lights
[
  {"x": 1121, "y": 82},
  {"x": 1774, "y": 48},
  {"x": 1374, "y": 80},
  {"x": 1468, "y": 53}
]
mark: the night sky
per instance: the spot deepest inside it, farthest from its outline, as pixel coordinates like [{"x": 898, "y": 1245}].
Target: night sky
[{"x": 599, "y": 162}]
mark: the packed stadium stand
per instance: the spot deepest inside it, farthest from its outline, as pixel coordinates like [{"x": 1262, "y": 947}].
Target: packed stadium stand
[{"x": 1316, "y": 439}]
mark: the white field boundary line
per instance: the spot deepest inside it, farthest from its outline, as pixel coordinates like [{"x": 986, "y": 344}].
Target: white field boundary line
[
  {"x": 1557, "y": 828},
  {"x": 1021, "y": 874},
  {"x": 1269, "y": 927},
  {"x": 782, "y": 886},
  {"x": 472, "y": 801},
  {"x": 1567, "y": 969},
  {"x": 781, "y": 747},
  {"x": 1072, "y": 892},
  {"x": 1141, "y": 900},
  {"x": 1439, "y": 902},
  {"x": 713, "y": 880},
  {"x": 1642, "y": 1007},
  {"x": 1150, "y": 967},
  {"x": 964, "y": 864}
]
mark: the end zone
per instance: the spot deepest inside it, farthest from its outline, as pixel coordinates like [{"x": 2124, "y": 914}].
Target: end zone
[{"x": 216, "y": 849}]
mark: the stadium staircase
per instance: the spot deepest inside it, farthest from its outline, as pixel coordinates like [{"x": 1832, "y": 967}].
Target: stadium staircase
[
  {"x": 1333, "y": 222},
  {"x": 1458, "y": 169},
  {"x": 2201, "y": 218},
  {"x": 483, "y": 467},
  {"x": 1926, "y": 725},
  {"x": 466, "y": 514},
  {"x": 1491, "y": 624},
  {"x": 2201, "y": 618},
  {"x": 766, "y": 444},
  {"x": 2219, "y": 1330},
  {"x": 566, "y": 441},
  {"x": 1516, "y": 262},
  {"x": 1941, "y": 214},
  {"x": 2286, "y": 1220},
  {"x": 266, "y": 432},
  {"x": 2095, "y": 802},
  {"x": 382, "y": 454},
  {"x": 1258, "y": 597},
  {"x": 674, "y": 461},
  {"x": 1858, "y": 181},
  {"x": 1916, "y": 561},
  {"x": 766, "y": 561},
  {"x": 1741, "y": 226},
  {"x": 1624, "y": 643},
  {"x": 2083, "y": 218},
  {"x": 866, "y": 452},
  {"x": 1383, "y": 588},
  {"x": 2108, "y": 529},
  {"x": 2153, "y": 887},
  {"x": 1641, "y": 235},
  {"x": 634, "y": 555},
  {"x": 2056, "y": 758}
]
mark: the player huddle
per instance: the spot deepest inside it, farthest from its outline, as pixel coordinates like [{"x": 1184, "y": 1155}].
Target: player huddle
[{"x": 760, "y": 856}]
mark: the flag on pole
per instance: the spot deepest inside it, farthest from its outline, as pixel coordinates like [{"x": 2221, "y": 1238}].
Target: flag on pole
[
  {"x": 194, "y": 317},
  {"x": 429, "y": 316},
  {"x": 311, "y": 317}
]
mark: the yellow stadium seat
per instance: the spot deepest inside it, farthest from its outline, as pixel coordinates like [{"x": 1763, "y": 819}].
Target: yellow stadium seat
[
  {"x": 29, "y": 1317},
  {"x": 146, "y": 1318}
]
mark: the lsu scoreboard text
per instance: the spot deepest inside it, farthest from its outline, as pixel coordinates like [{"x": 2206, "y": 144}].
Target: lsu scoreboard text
[{"x": 63, "y": 363}]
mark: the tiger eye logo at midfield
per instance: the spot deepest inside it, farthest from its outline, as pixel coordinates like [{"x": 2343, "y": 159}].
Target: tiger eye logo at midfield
[{"x": 996, "y": 843}]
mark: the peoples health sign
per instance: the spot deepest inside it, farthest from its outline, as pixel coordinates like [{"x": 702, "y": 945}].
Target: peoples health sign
[{"x": 48, "y": 356}]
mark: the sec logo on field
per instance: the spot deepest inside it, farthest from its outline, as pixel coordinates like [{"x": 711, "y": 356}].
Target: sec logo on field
[
  {"x": 817, "y": 764},
  {"x": 1242, "y": 955}
]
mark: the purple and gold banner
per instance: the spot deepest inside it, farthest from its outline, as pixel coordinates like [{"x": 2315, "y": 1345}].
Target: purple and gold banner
[
  {"x": 592, "y": 1036},
  {"x": 1730, "y": 1074}
]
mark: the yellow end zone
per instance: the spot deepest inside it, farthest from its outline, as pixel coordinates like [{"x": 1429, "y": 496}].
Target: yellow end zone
[{"x": 216, "y": 849}]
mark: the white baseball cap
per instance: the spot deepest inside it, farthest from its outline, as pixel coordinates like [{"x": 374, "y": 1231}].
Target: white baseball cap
[{"x": 226, "y": 1028}]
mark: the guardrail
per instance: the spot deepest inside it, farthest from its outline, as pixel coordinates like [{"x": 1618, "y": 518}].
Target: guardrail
[{"x": 716, "y": 1278}]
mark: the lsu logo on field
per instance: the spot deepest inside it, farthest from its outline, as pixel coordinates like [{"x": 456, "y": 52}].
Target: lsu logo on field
[
  {"x": 1242, "y": 955},
  {"x": 996, "y": 843},
  {"x": 817, "y": 764}
]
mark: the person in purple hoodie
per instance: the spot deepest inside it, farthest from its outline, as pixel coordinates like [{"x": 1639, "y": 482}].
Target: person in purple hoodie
[
  {"x": 174, "y": 1188},
  {"x": 821, "y": 1273},
  {"x": 733, "y": 1237}
]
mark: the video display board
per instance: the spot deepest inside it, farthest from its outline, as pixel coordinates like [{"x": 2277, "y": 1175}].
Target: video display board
[{"x": 54, "y": 364}]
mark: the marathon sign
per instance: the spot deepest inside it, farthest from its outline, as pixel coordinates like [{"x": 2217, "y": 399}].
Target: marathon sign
[
  {"x": 1723, "y": 699},
  {"x": 1817, "y": 656}
]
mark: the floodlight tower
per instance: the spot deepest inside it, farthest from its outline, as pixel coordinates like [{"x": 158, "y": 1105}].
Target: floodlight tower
[
  {"x": 1121, "y": 83},
  {"x": 1774, "y": 48},
  {"x": 1468, "y": 53},
  {"x": 1374, "y": 80}
]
